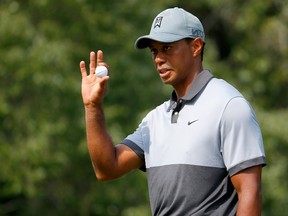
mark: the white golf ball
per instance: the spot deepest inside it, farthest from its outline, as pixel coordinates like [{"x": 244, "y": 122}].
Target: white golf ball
[{"x": 101, "y": 71}]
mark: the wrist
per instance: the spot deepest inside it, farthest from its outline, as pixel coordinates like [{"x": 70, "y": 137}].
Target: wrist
[
  {"x": 93, "y": 107},
  {"x": 94, "y": 113}
]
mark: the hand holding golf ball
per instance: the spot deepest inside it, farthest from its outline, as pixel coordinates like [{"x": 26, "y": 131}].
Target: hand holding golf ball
[{"x": 101, "y": 71}]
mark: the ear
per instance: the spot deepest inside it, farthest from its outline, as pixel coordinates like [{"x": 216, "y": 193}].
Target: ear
[{"x": 197, "y": 46}]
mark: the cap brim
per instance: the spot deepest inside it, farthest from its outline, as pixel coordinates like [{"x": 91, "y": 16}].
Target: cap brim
[{"x": 144, "y": 41}]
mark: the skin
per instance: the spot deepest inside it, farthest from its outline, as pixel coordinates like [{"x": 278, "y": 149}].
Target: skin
[
  {"x": 177, "y": 64},
  {"x": 248, "y": 186}
]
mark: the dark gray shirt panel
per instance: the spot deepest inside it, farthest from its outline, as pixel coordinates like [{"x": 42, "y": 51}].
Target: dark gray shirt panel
[{"x": 183, "y": 189}]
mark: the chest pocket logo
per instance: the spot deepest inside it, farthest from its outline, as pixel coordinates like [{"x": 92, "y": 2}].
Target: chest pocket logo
[{"x": 191, "y": 122}]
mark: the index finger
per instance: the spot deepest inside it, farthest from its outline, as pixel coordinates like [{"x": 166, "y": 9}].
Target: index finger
[{"x": 83, "y": 69}]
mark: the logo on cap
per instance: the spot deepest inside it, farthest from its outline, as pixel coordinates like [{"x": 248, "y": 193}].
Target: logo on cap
[
  {"x": 197, "y": 33},
  {"x": 158, "y": 21}
]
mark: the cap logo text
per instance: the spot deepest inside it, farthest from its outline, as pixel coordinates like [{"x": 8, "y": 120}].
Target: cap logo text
[
  {"x": 158, "y": 22},
  {"x": 197, "y": 33}
]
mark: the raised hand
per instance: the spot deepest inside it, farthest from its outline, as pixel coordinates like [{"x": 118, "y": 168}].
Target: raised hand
[{"x": 93, "y": 87}]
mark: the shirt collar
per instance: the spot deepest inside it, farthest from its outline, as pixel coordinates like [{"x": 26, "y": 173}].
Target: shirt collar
[{"x": 197, "y": 85}]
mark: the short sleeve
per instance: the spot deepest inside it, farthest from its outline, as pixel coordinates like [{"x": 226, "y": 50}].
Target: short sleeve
[
  {"x": 138, "y": 140},
  {"x": 135, "y": 142},
  {"x": 241, "y": 138}
]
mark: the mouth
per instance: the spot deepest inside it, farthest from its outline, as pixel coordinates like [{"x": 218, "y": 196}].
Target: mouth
[{"x": 164, "y": 72}]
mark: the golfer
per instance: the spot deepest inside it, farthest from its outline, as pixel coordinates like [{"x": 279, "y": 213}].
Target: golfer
[{"x": 202, "y": 149}]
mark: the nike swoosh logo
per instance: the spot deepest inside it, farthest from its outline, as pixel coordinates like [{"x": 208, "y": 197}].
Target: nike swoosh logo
[{"x": 191, "y": 122}]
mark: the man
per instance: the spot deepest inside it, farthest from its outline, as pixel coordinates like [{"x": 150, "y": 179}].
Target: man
[{"x": 202, "y": 149}]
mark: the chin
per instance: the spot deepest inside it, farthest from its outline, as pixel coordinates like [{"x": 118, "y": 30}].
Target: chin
[{"x": 166, "y": 82}]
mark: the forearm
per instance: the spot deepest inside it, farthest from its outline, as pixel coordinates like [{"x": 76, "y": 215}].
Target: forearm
[
  {"x": 100, "y": 145},
  {"x": 250, "y": 203}
]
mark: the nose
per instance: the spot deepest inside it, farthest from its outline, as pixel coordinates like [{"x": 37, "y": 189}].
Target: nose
[{"x": 159, "y": 58}]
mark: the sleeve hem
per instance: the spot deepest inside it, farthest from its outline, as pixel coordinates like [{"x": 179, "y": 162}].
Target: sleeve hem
[
  {"x": 246, "y": 164},
  {"x": 137, "y": 150}
]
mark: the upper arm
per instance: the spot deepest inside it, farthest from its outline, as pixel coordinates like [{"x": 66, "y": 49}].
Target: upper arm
[
  {"x": 247, "y": 183},
  {"x": 125, "y": 161},
  {"x": 248, "y": 179},
  {"x": 128, "y": 155}
]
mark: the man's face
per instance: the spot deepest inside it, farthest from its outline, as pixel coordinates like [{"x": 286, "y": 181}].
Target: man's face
[{"x": 173, "y": 62}]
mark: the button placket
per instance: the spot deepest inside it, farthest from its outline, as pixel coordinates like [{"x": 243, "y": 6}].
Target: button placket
[{"x": 176, "y": 110}]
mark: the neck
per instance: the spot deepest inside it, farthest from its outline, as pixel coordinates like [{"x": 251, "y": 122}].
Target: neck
[{"x": 182, "y": 89}]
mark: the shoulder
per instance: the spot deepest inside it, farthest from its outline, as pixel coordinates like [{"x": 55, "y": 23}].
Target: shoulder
[
  {"x": 223, "y": 89},
  {"x": 234, "y": 105},
  {"x": 226, "y": 101},
  {"x": 217, "y": 95},
  {"x": 238, "y": 109}
]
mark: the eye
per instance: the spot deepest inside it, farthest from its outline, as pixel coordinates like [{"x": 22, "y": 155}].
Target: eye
[
  {"x": 153, "y": 51},
  {"x": 167, "y": 48}
]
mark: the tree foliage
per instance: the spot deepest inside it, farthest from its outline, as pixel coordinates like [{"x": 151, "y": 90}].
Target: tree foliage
[{"x": 44, "y": 162}]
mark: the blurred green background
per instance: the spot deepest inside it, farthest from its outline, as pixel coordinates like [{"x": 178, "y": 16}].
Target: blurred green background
[{"x": 44, "y": 164}]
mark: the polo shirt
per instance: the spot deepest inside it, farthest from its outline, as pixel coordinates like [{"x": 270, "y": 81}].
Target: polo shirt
[{"x": 193, "y": 145}]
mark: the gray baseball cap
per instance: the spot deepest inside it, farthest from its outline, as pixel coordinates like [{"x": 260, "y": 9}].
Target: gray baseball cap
[{"x": 172, "y": 25}]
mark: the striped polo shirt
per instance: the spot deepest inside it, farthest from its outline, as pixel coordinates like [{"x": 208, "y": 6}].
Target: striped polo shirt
[{"x": 193, "y": 145}]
